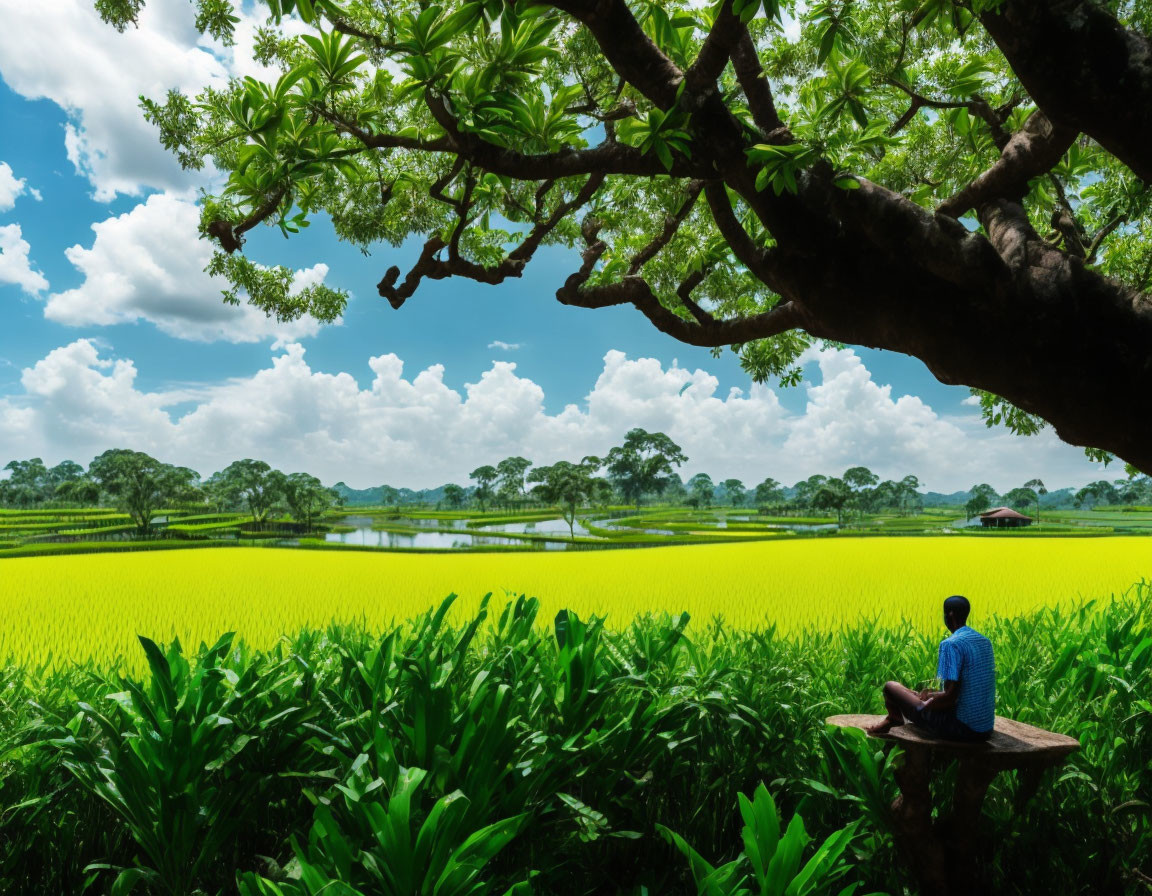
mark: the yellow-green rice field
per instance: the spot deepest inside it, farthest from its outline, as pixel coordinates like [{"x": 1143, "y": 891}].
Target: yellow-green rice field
[{"x": 75, "y": 607}]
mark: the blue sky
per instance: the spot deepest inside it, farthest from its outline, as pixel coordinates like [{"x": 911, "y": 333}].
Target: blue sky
[{"x": 111, "y": 332}]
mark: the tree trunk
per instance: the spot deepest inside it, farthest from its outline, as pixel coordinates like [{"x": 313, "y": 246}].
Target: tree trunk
[
  {"x": 1009, "y": 314},
  {"x": 1084, "y": 69}
]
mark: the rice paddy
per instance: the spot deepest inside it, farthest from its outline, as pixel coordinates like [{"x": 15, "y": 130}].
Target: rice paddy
[{"x": 93, "y": 606}]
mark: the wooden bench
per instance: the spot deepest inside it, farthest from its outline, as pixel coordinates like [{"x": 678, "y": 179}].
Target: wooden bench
[{"x": 1013, "y": 745}]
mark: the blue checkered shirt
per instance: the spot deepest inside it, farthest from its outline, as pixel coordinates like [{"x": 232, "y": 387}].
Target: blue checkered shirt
[{"x": 966, "y": 657}]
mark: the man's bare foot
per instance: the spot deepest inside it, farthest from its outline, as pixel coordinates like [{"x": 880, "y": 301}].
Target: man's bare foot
[{"x": 882, "y": 727}]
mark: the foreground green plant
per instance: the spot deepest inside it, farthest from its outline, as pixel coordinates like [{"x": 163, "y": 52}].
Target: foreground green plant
[
  {"x": 375, "y": 839},
  {"x": 480, "y": 757},
  {"x": 770, "y": 864},
  {"x": 168, "y": 757}
]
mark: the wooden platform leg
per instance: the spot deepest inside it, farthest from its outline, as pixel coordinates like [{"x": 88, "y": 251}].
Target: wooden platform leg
[
  {"x": 912, "y": 820},
  {"x": 972, "y": 782},
  {"x": 1029, "y": 777}
]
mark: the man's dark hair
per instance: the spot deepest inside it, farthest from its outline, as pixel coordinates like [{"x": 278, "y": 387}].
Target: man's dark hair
[{"x": 958, "y": 606}]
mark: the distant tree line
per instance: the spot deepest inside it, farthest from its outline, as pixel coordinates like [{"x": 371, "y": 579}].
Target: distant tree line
[
  {"x": 140, "y": 485},
  {"x": 642, "y": 468}
]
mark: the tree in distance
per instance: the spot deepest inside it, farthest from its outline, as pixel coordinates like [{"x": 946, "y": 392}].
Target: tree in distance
[
  {"x": 701, "y": 491},
  {"x": 1038, "y": 489},
  {"x": 862, "y": 484},
  {"x": 484, "y": 477},
  {"x": 769, "y": 492},
  {"x": 1099, "y": 492},
  {"x": 976, "y": 505},
  {"x": 734, "y": 492},
  {"x": 307, "y": 498},
  {"x": 454, "y": 494},
  {"x": 511, "y": 472},
  {"x": 806, "y": 490},
  {"x": 833, "y": 494},
  {"x": 25, "y": 484},
  {"x": 643, "y": 464},
  {"x": 84, "y": 491},
  {"x": 911, "y": 176},
  {"x": 140, "y": 485},
  {"x": 568, "y": 486},
  {"x": 254, "y": 483},
  {"x": 1020, "y": 498}
]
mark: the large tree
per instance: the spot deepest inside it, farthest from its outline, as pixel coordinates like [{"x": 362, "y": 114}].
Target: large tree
[
  {"x": 769, "y": 492},
  {"x": 253, "y": 483},
  {"x": 484, "y": 477},
  {"x": 912, "y": 175},
  {"x": 454, "y": 494},
  {"x": 833, "y": 494},
  {"x": 511, "y": 472},
  {"x": 307, "y": 497},
  {"x": 643, "y": 464},
  {"x": 701, "y": 490},
  {"x": 27, "y": 482},
  {"x": 567, "y": 486},
  {"x": 139, "y": 484},
  {"x": 734, "y": 492}
]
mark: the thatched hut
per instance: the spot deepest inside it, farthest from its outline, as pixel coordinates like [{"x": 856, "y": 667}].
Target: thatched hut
[{"x": 1004, "y": 517}]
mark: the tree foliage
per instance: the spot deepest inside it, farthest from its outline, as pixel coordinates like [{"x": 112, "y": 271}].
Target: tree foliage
[
  {"x": 908, "y": 174},
  {"x": 484, "y": 477},
  {"x": 643, "y": 464},
  {"x": 139, "y": 484},
  {"x": 568, "y": 486},
  {"x": 253, "y": 483},
  {"x": 307, "y": 497}
]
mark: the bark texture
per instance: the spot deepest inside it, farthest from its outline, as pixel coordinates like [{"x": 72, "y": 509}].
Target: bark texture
[{"x": 1084, "y": 69}]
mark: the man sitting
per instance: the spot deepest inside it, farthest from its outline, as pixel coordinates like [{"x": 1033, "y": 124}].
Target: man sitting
[{"x": 965, "y": 709}]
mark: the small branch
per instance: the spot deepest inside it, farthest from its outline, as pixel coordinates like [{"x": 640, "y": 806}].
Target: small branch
[
  {"x": 1103, "y": 234},
  {"x": 671, "y": 226},
  {"x": 512, "y": 265},
  {"x": 229, "y": 236},
  {"x": 635, "y": 290},
  {"x": 1064, "y": 221},
  {"x": 757, "y": 90},
  {"x": 1032, "y": 151},
  {"x": 684, "y": 294}
]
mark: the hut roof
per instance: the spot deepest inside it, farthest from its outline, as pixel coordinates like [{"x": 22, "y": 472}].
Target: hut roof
[{"x": 1003, "y": 513}]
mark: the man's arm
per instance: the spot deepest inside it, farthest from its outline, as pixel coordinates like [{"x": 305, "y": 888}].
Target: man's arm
[{"x": 945, "y": 699}]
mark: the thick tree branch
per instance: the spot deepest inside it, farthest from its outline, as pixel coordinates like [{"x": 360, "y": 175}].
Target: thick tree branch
[
  {"x": 1084, "y": 69},
  {"x": 634, "y": 290},
  {"x": 757, "y": 259},
  {"x": 704, "y": 331},
  {"x": 630, "y": 52},
  {"x": 713, "y": 56},
  {"x": 752, "y": 80},
  {"x": 1031, "y": 152}
]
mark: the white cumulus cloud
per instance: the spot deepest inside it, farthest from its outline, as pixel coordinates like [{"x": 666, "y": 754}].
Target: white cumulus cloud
[
  {"x": 148, "y": 265},
  {"x": 417, "y": 431},
  {"x": 13, "y": 187},
  {"x": 504, "y": 346},
  {"x": 15, "y": 266},
  {"x": 60, "y": 50}
]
